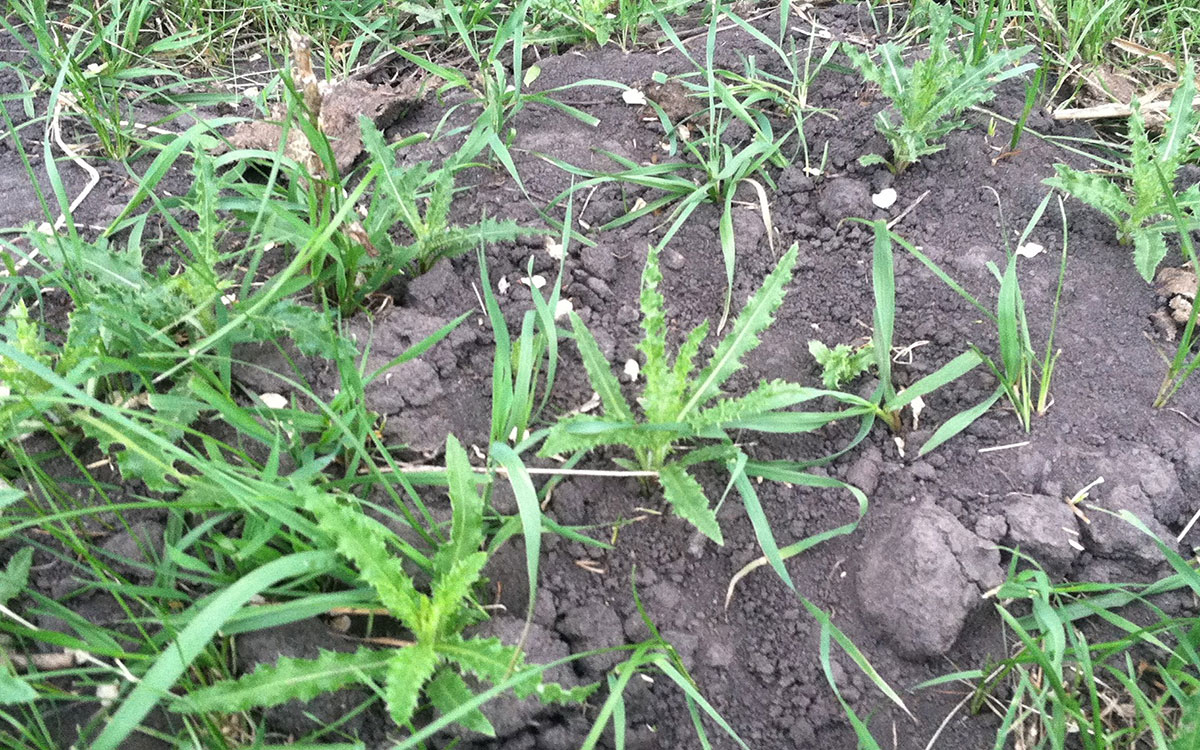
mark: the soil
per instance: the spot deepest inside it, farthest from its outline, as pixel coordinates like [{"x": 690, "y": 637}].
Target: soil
[{"x": 907, "y": 586}]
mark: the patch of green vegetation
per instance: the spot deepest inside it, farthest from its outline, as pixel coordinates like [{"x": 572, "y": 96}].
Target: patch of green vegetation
[
  {"x": 930, "y": 95},
  {"x": 1151, "y": 176},
  {"x": 841, "y": 364}
]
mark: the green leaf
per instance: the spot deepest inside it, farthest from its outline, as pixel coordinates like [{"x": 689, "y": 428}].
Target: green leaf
[
  {"x": 600, "y": 373},
  {"x": 466, "y": 524},
  {"x": 1149, "y": 248},
  {"x": 288, "y": 679},
  {"x": 762, "y": 527},
  {"x": 447, "y": 691},
  {"x": 686, "y": 497},
  {"x": 450, "y": 589},
  {"x": 15, "y": 577},
  {"x": 14, "y": 690},
  {"x": 408, "y": 670},
  {"x": 841, "y": 364},
  {"x": 743, "y": 336},
  {"x": 1094, "y": 190},
  {"x": 766, "y": 398},
  {"x": 660, "y": 394},
  {"x": 528, "y": 509},
  {"x": 363, "y": 541},
  {"x": 959, "y": 422}
]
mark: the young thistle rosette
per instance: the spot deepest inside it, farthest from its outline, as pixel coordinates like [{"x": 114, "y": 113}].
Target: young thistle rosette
[
  {"x": 681, "y": 406},
  {"x": 1152, "y": 170},
  {"x": 929, "y": 96}
]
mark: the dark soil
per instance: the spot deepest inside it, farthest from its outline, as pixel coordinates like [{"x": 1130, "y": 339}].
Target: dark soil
[{"x": 907, "y": 586}]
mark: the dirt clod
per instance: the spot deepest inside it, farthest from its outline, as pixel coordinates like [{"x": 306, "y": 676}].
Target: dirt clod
[{"x": 922, "y": 577}]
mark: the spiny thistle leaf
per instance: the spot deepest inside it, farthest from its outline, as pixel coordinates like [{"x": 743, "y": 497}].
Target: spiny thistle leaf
[
  {"x": 600, "y": 373},
  {"x": 466, "y": 523},
  {"x": 363, "y": 541},
  {"x": 766, "y": 398},
  {"x": 743, "y": 336},
  {"x": 1094, "y": 190},
  {"x": 686, "y": 497},
  {"x": 451, "y": 588},
  {"x": 407, "y": 672},
  {"x": 447, "y": 691},
  {"x": 493, "y": 662},
  {"x": 583, "y": 432},
  {"x": 288, "y": 679},
  {"x": 659, "y": 395}
]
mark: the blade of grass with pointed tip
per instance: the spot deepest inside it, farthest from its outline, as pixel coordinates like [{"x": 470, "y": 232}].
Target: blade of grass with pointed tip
[
  {"x": 528, "y": 509},
  {"x": 959, "y": 422},
  {"x": 762, "y": 527}
]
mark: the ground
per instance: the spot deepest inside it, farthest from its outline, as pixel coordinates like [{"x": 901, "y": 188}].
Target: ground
[{"x": 911, "y": 586}]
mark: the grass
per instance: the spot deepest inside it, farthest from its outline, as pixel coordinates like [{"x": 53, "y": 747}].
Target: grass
[{"x": 120, "y": 395}]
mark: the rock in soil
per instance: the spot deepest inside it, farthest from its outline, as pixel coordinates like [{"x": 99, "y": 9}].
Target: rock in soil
[
  {"x": 1043, "y": 527},
  {"x": 921, "y": 577}
]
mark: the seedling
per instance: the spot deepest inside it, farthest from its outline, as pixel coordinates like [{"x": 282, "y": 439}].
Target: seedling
[
  {"x": 841, "y": 364},
  {"x": 1152, "y": 198},
  {"x": 929, "y": 96},
  {"x": 1024, "y": 376}
]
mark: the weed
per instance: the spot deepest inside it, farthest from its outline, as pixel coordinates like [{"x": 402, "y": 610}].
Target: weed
[
  {"x": 1024, "y": 376},
  {"x": 1063, "y": 674},
  {"x": 1150, "y": 199},
  {"x": 841, "y": 364},
  {"x": 434, "y": 663},
  {"x": 929, "y": 95}
]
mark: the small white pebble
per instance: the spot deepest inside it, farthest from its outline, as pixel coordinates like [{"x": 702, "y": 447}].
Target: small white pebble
[
  {"x": 563, "y": 307},
  {"x": 274, "y": 401},
  {"x": 107, "y": 693},
  {"x": 632, "y": 369},
  {"x": 554, "y": 248},
  {"x": 885, "y": 198},
  {"x": 1030, "y": 249},
  {"x": 633, "y": 97}
]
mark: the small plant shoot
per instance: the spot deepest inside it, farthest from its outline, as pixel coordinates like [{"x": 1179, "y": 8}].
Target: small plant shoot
[
  {"x": 929, "y": 96},
  {"x": 1139, "y": 211}
]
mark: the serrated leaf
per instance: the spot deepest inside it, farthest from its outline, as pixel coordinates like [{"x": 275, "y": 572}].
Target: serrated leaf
[
  {"x": 288, "y": 679},
  {"x": 451, "y": 587},
  {"x": 15, "y": 577},
  {"x": 486, "y": 658},
  {"x": 1149, "y": 248},
  {"x": 447, "y": 691},
  {"x": 582, "y": 432},
  {"x": 742, "y": 338},
  {"x": 660, "y": 393},
  {"x": 1092, "y": 189},
  {"x": 767, "y": 397},
  {"x": 363, "y": 541},
  {"x": 600, "y": 373},
  {"x": 687, "y": 499},
  {"x": 466, "y": 524},
  {"x": 408, "y": 670}
]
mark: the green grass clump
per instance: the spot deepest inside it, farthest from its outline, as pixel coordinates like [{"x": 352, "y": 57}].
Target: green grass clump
[
  {"x": 1095, "y": 665},
  {"x": 929, "y": 96}
]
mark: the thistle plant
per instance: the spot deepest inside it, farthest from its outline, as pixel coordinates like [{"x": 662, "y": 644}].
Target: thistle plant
[
  {"x": 1148, "y": 198},
  {"x": 438, "y": 657},
  {"x": 686, "y": 419},
  {"x": 930, "y": 95}
]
